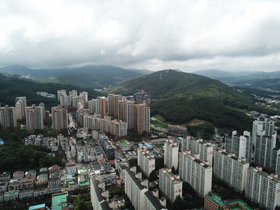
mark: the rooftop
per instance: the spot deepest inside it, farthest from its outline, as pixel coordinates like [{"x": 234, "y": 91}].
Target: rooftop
[
  {"x": 84, "y": 183},
  {"x": 82, "y": 170},
  {"x": 124, "y": 142},
  {"x": 14, "y": 192},
  {"x": 215, "y": 198},
  {"x": 59, "y": 201},
  {"x": 236, "y": 204},
  {"x": 39, "y": 206}
]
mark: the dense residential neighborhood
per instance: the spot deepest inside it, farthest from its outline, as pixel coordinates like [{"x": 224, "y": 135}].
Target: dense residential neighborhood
[{"x": 158, "y": 170}]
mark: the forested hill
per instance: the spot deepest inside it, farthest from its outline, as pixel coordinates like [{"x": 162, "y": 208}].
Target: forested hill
[
  {"x": 11, "y": 86},
  {"x": 90, "y": 76},
  {"x": 181, "y": 97}
]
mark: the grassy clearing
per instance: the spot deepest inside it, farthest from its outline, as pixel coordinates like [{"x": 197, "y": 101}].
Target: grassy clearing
[{"x": 196, "y": 122}]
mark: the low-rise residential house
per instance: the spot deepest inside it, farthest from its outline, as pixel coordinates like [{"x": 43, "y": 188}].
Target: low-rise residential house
[
  {"x": 1, "y": 197},
  {"x": 124, "y": 145},
  {"x": 5, "y": 176},
  {"x": 43, "y": 170},
  {"x": 56, "y": 181},
  {"x": 42, "y": 179},
  {"x": 3, "y": 186},
  {"x": 11, "y": 195},
  {"x": 72, "y": 185},
  {"x": 30, "y": 173},
  {"x": 21, "y": 184},
  {"x": 25, "y": 193},
  {"x": 54, "y": 189},
  {"x": 71, "y": 167},
  {"x": 54, "y": 169},
  {"x": 29, "y": 177},
  {"x": 18, "y": 175},
  {"x": 40, "y": 192}
]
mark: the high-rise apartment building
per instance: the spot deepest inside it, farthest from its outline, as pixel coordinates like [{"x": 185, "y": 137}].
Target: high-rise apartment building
[
  {"x": 140, "y": 196},
  {"x": 197, "y": 173},
  {"x": 263, "y": 188},
  {"x": 171, "y": 152},
  {"x": 145, "y": 161},
  {"x": 101, "y": 106},
  {"x": 241, "y": 146},
  {"x": 108, "y": 148},
  {"x": 63, "y": 98},
  {"x": 143, "y": 115},
  {"x": 134, "y": 189},
  {"x": 169, "y": 184},
  {"x": 98, "y": 195},
  {"x": 266, "y": 150},
  {"x": 113, "y": 104},
  {"x": 20, "y": 104},
  {"x": 34, "y": 117},
  {"x": 230, "y": 169},
  {"x": 198, "y": 146},
  {"x": 59, "y": 118},
  {"x": 8, "y": 117},
  {"x": 265, "y": 128}
]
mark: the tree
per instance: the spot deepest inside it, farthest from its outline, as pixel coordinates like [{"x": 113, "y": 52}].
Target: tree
[
  {"x": 153, "y": 176},
  {"x": 179, "y": 203}
]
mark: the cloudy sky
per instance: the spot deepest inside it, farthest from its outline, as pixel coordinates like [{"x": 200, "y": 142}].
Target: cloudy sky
[{"x": 152, "y": 34}]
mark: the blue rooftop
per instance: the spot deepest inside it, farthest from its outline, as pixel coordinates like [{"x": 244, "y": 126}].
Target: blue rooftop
[
  {"x": 140, "y": 145},
  {"x": 1, "y": 141},
  {"x": 148, "y": 145},
  {"x": 38, "y": 206}
]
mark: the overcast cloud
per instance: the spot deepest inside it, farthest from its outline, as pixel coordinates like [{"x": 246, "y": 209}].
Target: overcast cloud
[{"x": 153, "y": 34}]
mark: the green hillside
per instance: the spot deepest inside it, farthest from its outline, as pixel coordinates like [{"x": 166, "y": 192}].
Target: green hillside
[
  {"x": 273, "y": 84},
  {"x": 14, "y": 86},
  {"x": 91, "y": 76},
  {"x": 181, "y": 97}
]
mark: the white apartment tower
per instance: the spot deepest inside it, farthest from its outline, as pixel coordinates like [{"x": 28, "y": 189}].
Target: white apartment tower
[
  {"x": 198, "y": 146},
  {"x": 241, "y": 146},
  {"x": 171, "y": 152},
  {"x": 140, "y": 196},
  {"x": 266, "y": 152},
  {"x": 230, "y": 169},
  {"x": 197, "y": 173},
  {"x": 169, "y": 184},
  {"x": 263, "y": 188},
  {"x": 145, "y": 161},
  {"x": 265, "y": 128},
  {"x": 133, "y": 189}
]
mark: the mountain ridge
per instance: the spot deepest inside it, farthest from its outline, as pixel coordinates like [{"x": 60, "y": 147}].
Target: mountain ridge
[{"x": 181, "y": 97}]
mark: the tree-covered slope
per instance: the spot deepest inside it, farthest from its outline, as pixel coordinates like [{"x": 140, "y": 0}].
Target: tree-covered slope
[
  {"x": 181, "y": 97},
  {"x": 91, "y": 76},
  {"x": 13, "y": 86}
]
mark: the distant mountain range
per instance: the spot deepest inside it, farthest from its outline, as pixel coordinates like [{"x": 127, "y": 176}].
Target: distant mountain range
[
  {"x": 94, "y": 77},
  {"x": 240, "y": 78},
  {"x": 181, "y": 97}
]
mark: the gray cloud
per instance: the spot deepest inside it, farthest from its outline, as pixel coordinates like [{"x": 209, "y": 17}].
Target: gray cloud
[{"x": 189, "y": 35}]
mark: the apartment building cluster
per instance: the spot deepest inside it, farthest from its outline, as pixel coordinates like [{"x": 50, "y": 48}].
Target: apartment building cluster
[
  {"x": 128, "y": 112},
  {"x": 95, "y": 114},
  {"x": 259, "y": 148},
  {"x": 35, "y": 116},
  {"x": 194, "y": 159}
]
